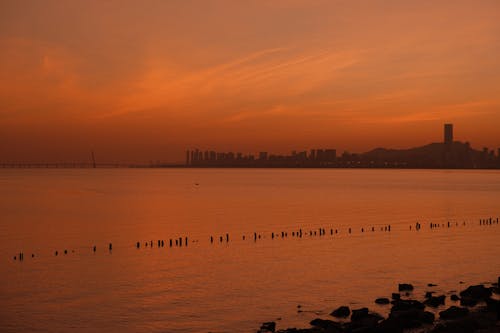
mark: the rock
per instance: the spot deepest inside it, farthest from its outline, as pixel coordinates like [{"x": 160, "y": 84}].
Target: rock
[
  {"x": 428, "y": 294},
  {"x": 382, "y": 300},
  {"x": 341, "y": 312},
  {"x": 405, "y": 287},
  {"x": 431, "y": 285},
  {"x": 435, "y": 301},
  {"x": 453, "y": 312},
  {"x": 389, "y": 325},
  {"x": 427, "y": 317},
  {"x": 412, "y": 318},
  {"x": 466, "y": 301},
  {"x": 454, "y": 297},
  {"x": 493, "y": 305},
  {"x": 462, "y": 325},
  {"x": 359, "y": 313},
  {"x": 326, "y": 324},
  {"x": 362, "y": 320},
  {"x": 269, "y": 326},
  {"x": 401, "y": 305},
  {"x": 478, "y": 292},
  {"x": 396, "y": 296}
]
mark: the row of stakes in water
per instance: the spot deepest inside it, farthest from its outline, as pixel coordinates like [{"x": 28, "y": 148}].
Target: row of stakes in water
[{"x": 299, "y": 233}]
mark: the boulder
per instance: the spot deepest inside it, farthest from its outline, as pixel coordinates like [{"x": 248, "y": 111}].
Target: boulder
[
  {"x": 435, "y": 301},
  {"x": 362, "y": 320},
  {"x": 359, "y": 313},
  {"x": 453, "y": 312},
  {"x": 326, "y": 324},
  {"x": 454, "y": 297},
  {"x": 493, "y": 305},
  {"x": 396, "y": 296},
  {"x": 406, "y": 304},
  {"x": 428, "y": 294},
  {"x": 478, "y": 292},
  {"x": 341, "y": 312},
  {"x": 269, "y": 326},
  {"x": 382, "y": 300},
  {"x": 390, "y": 325},
  {"x": 466, "y": 301},
  {"x": 431, "y": 285},
  {"x": 405, "y": 287},
  {"x": 412, "y": 318},
  {"x": 462, "y": 325}
]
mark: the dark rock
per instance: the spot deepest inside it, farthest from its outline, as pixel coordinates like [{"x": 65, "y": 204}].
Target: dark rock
[
  {"x": 382, "y": 300},
  {"x": 412, "y": 318},
  {"x": 493, "y": 305},
  {"x": 326, "y": 324},
  {"x": 431, "y": 285},
  {"x": 390, "y": 325},
  {"x": 453, "y": 312},
  {"x": 466, "y": 301},
  {"x": 462, "y": 325},
  {"x": 359, "y": 313},
  {"x": 405, "y": 287},
  {"x": 396, "y": 296},
  {"x": 341, "y": 312},
  {"x": 428, "y": 294},
  {"x": 478, "y": 292},
  {"x": 363, "y": 321},
  {"x": 401, "y": 305},
  {"x": 269, "y": 326},
  {"x": 427, "y": 317},
  {"x": 435, "y": 301},
  {"x": 454, "y": 297}
]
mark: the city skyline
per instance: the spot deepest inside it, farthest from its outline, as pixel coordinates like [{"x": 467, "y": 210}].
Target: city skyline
[{"x": 449, "y": 153}]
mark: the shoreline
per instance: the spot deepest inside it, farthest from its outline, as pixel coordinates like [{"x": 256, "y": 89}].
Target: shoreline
[{"x": 475, "y": 309}]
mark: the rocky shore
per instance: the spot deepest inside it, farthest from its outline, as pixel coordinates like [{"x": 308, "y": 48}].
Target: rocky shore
[{"x": 475, "y": 309}]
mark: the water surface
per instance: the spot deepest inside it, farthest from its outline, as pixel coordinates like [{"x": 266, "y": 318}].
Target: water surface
[{"x": 232, "y": 286}]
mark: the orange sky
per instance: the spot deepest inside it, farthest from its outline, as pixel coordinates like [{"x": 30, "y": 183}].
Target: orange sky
[{"x": 144, "y": 80}]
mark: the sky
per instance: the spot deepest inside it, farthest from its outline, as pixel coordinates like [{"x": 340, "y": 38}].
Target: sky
[{"x": 140, "y": 81}]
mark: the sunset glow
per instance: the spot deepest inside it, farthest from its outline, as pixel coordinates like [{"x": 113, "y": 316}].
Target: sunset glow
[{"x": 137, "y": 82}]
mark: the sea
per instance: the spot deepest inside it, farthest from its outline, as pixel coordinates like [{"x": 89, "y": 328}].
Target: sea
[{"x": 231, "y": 274}]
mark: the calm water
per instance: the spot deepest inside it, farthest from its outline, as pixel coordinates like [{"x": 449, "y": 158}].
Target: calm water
[{"x": 231, "y": 287}]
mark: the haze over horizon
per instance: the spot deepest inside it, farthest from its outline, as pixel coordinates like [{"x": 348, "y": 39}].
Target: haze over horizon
[{"x": 137, "y": 82}]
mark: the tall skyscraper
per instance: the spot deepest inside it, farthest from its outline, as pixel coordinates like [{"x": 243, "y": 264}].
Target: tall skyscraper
[{"x": 448, "y": 134}]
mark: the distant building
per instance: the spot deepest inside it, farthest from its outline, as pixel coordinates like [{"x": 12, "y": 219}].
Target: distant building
[{"x": 448, "y": 134}]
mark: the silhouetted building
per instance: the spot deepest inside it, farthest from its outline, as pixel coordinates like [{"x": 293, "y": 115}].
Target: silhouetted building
[
  {"x": 447, "y": 154},
  {"x": 448, "y": 134}
]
